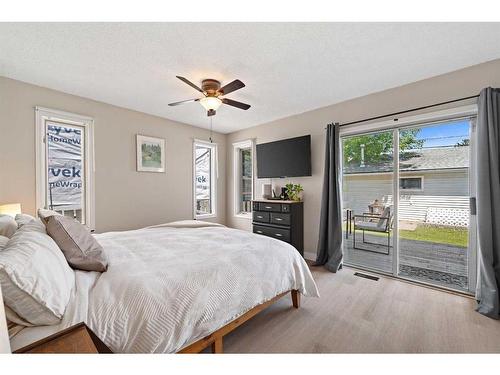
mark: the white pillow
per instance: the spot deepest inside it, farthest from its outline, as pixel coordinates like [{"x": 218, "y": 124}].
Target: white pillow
[
  {"x": 22, "y": 219},
  {"x": 35, "y": 224},
  {"x": 8, "y": 226},
  {"x": 35, "y": 278},
  {"x": 3, "y": 242}
]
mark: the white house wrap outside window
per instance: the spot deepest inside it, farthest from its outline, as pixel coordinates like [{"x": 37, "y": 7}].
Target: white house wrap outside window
[{"x": 65, "y": 172}]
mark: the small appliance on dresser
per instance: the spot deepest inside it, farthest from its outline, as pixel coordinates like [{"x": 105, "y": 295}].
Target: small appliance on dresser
[{"x": 280, "y": 219}]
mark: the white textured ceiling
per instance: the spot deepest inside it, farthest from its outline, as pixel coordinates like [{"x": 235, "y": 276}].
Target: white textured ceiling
[{"x": 287, "y": 68}]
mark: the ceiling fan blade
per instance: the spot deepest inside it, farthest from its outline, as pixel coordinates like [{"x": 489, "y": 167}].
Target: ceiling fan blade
[
  {"x": 183, "y": 102},
  {"x": 232, "y": 86},
  {"x": 185, "y": 80},
  {"x": 236, "y": 104}
]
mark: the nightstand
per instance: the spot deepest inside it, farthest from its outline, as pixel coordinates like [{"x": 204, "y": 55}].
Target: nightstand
[{"x": 75, "y": 339}]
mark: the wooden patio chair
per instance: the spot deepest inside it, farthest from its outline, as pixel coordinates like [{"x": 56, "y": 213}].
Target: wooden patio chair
[{"x": 374, "y": 223}]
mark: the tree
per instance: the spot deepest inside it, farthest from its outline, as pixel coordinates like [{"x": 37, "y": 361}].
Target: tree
[
  {"x": 463, "y": 142},
  {"x": 378, "y": 147}
]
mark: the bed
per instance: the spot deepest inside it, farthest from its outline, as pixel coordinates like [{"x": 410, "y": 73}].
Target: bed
[{"x": 179, "y": 287}]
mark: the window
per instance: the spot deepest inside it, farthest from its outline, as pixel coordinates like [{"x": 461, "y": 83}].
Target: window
[
  {"x": 205, "y": 179},
  {"x": 411, "y": 183},
  {"x": 243, "y": 178},
  {"x": 64, "y": 164}
]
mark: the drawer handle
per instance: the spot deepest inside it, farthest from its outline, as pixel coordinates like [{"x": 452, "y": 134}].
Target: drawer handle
[
  {"x": 268, "y": 207},
  {"x": 260, "y": 217},
  {"x": 278, "y": 219},
  {"x": 259, "y": 231},
  {"x": 278, "y": 235}
]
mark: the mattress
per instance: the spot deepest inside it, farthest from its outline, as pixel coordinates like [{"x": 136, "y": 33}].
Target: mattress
[{"x": 170, "y": 285}]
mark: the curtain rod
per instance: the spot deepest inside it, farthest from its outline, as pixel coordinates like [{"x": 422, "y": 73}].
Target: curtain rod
[{"x": 410, "y": 110}]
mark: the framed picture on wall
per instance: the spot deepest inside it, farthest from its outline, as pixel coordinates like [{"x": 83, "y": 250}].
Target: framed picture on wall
[{"x": 150, "y": 154}]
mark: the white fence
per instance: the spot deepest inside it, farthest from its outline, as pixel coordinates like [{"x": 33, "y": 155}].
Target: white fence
[
  {"x": 448, "y": 216},
  {"x": 416, "y": 207},
  {"x": 433, "y": 209}
]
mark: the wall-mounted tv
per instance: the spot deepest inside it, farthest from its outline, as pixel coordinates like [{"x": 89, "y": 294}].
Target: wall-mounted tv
[{"x": 287, "y": 158}]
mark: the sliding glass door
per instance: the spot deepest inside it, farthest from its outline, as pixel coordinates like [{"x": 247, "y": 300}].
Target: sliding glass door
[
  {"x": 367, "y": 184},
  {"x": 433, "y": 207},
  {"x": 405, "y": 195}
]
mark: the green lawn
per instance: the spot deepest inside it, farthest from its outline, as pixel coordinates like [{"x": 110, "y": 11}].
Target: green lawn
[
  {"x": 437, "y": 234},
  {"x": 433, "y": 233}
]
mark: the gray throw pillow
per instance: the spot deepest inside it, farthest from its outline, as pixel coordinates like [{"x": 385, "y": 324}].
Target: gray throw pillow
[
  {"x": 80, "y": 248},
  {"x": 44, "y": 214}
]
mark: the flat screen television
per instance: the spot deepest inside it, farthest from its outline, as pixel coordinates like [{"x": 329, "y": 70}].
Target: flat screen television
[{"x": 287, "y": 158}]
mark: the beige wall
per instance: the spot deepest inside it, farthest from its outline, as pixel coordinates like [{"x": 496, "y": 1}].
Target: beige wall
[
  {"x": 127, "y": 199},
  {"x": 124, "y": 198},
  {"x": 457, "y": 84}
]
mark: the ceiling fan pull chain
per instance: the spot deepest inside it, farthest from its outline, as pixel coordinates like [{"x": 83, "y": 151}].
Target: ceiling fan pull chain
[{"x": 211, "y": 127}]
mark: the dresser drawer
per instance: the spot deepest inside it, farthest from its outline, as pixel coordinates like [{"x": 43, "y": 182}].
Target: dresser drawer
[
  {"x": 281, "y": 219},
  {"x": 280, "y": 234},
  {"x": 260, "y": 229},
  {"x": 261, "y": 216},
  {"x": 272, "y": 207}
]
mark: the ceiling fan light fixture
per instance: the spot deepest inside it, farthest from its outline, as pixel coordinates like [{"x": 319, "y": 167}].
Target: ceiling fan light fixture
[
  {"x": 210, "y": 103},
  {"x": 214, "y": 95}
]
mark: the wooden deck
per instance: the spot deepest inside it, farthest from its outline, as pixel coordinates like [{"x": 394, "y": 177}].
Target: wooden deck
[{"x": 440, "y": 264}]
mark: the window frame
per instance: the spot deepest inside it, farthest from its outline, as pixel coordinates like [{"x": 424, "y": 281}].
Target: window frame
[
  {"x": 214, "y": 174},
  {"x": 410, "y": 190},
  {"x": 237, "y": 146},
  {"x": 87, "y": 123}
]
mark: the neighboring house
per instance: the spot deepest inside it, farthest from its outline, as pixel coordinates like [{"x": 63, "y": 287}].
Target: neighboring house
[{"x": 434, "y": 185}]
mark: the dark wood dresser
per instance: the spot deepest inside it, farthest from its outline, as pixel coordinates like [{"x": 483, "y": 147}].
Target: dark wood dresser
[{"x": 283, "y": 220}]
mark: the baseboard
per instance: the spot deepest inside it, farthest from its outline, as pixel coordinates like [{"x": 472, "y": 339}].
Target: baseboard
[{"x": 309, "y": 255}]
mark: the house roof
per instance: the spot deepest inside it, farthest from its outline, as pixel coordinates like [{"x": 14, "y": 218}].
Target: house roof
[{"x": 435, "y": 158}]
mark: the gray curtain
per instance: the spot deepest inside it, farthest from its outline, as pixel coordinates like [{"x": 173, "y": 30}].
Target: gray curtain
[
  {"x": 329, "y": 251},
  {"x": 488, "y": 202}
]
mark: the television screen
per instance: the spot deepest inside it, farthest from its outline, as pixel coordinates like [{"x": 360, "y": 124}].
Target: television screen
[{"x": 286, "y": 158}]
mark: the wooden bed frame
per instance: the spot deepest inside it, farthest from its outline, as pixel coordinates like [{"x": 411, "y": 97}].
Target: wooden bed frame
[{"x": 215, "y": 339}]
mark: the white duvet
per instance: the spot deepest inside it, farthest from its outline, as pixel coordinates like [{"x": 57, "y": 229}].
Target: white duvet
[{"x": 170, "y": 285}]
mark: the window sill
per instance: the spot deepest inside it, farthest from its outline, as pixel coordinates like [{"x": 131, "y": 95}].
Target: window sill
[
  {"x": 244, "y": 216},
  {"x": 207, "y": 216}
]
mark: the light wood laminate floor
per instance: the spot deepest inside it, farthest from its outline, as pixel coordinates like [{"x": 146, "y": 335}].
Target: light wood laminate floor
[{"x": 357, "y": 315}]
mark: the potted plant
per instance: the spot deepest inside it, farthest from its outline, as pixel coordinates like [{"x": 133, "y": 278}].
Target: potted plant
[{"x": 293, "y": 191}]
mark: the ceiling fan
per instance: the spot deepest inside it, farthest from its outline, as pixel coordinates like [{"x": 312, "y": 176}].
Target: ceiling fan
[{"x": 213, "y": 94}]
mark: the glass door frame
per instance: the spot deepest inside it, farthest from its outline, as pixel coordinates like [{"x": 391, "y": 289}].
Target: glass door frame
[{"x": 427, "y": 119}]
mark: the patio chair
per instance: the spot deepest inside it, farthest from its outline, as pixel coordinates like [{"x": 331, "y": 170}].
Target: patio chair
[{"x": 374, "y": 223}]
